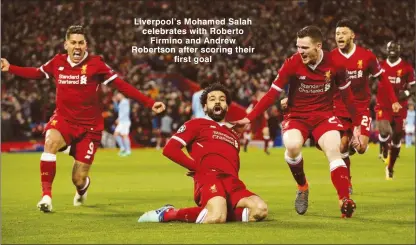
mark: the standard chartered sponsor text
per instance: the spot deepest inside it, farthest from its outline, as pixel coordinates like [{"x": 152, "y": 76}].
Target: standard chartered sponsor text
[
  {"x": 68, "y": 79},
  {"x": 311, "y": 88}
]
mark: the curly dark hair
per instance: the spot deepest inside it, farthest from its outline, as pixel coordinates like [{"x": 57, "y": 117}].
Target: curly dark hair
[
  {"x": 346, "y": 23},
  {"x": 215, "y": 87}
]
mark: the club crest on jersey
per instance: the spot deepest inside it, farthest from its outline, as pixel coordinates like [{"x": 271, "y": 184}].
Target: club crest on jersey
[
  {"x": 213, "y": 188},
  {"x": 84, "y": 69},
  {"x": 181, "y": 129},
  {"x": 327, "y": 76},
  {"x": 399, "y": 73},
  {"x": 327, "y": 86},
  {"x": 83, "y": 79},
  {"x": 360, "y": 64}
]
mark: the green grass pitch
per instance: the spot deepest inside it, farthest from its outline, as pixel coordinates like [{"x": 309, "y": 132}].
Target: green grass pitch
[{"x": 123, "y": 188}]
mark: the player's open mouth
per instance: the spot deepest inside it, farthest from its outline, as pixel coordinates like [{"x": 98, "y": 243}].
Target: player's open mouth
[
  {"x": 77, "y": 54},
  {"x": 217, "y": 109},
  {"x": 341, "y": 42}
]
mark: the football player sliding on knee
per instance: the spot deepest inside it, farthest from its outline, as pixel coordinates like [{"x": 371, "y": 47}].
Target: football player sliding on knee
[
  {"x": 213, "y": 145},
  {"x": 77, "y": 121},
  {"x": 313, "y": 79}
]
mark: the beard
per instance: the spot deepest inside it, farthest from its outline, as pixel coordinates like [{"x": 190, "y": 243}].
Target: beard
[
  {"x": 393, "y": 56},
  {"x": 217, "y": 116}
]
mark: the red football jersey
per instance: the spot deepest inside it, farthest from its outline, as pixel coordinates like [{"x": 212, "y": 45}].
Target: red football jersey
[
  {"x": 311, "y": 88},
  {"x": 360, "y": 64},
  {"x": 204, "y": 136},
  {"x": 77, "y": 88},
  {"x": 401, "y": 75}
]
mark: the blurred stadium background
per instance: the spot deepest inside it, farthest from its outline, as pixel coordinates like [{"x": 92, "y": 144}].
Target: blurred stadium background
[{"x": 33, "y": 31}]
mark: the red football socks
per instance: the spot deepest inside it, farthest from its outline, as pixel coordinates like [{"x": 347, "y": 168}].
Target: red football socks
[
  {"x": 188, "y": 215},
  {"x": 47, "y": 172},
  {"x": 238, "y": 214},
  {"x": 339, "y": 177},
  {"x": 394, "y": 153}
]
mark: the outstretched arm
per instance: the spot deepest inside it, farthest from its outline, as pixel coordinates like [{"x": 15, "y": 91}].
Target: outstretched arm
[
  {"x": 268, "y": 99},
  {"x": 131, "y": 92},
  {"x": 25, "y": 72},
  {"x": 273, "y": 94}
]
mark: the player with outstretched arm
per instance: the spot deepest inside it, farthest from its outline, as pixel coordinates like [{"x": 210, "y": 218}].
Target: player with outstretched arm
[
  {"x": 77, "y": 121},
  {"x": 313, "y": 78}
]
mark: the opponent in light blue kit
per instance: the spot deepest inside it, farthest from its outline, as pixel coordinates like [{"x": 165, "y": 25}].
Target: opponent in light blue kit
[
  {"x": 410, "y": 125},
  {"x": 121, "y": 133}
]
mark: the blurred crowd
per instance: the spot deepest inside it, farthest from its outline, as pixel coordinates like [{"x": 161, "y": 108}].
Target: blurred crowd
[{"x": 33, "y": 32}]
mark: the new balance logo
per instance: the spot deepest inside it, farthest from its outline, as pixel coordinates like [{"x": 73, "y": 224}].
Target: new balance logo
[
  {"x": 212, "y": 126},
  {"x": 213, "y": 189},
  {"x": 61, "y": 68},
  {"x": 302, "y": 77}
]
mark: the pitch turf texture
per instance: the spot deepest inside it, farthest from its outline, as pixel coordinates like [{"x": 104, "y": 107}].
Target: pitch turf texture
[{"x": 123, "y": 188}]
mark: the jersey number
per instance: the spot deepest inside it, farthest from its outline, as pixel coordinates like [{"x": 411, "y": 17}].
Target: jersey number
[
  {"x": 90, "y": 151},
  {"x": 366, "y": 122}
]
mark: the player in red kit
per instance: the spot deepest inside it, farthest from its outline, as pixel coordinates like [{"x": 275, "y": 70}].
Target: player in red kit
[
  {"x": 401, "y": 75},
  {"x": 313, "y": 78},
  {"x": 260, "y": 125},
  {"x": 360, "y": 64},
  {"x": 213, "y": 145},
  {"x": 77, "y": 121}
]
